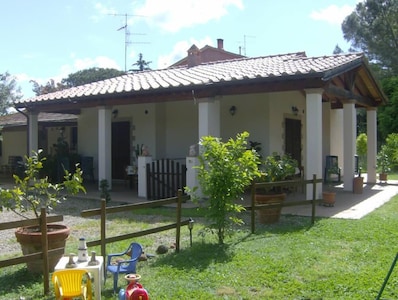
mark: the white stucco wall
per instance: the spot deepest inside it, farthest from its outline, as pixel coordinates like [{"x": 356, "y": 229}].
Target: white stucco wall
[{"x": 14, "y": 144}]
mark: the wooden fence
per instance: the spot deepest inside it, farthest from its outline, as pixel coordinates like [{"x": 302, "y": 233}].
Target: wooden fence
[
  {"x": 164, "y": 178},
  {"x": 42, "y": 222},
  {"x": 104, "y": 210},
  {"x": 286, "y": 185}
]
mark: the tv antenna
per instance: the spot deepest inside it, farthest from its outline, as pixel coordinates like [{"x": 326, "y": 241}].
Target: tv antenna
[
  {"x": 127, "y": 34},
  {"x": 244, "y": 44}
]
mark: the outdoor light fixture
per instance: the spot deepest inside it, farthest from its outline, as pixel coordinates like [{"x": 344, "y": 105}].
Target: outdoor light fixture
[
  {"x": 190, "y": 227},
  {"x": 295, "y": 110},
  {"x": 115, "y": 112},
  {"x": 232, "y": 110}
]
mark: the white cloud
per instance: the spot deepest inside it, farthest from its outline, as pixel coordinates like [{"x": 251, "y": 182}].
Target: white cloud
[
  {"x": 173, "y": 15},
  {"x": 180, "y": 50},
  {"x": 102, "y": 11},
  {"x": 332, "y": 14}
]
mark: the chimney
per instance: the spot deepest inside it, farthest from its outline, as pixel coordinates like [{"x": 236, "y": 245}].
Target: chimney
[
  {"x": 220, "y": 44},
  {"x": 193, "y": 56}
]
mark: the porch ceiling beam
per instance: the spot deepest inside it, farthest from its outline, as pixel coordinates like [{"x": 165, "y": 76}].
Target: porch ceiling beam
[{"x": 345, "y": 95}]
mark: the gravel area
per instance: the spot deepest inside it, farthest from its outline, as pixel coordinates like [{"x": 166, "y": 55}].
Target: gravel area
[{"x": 70, "y": 209}]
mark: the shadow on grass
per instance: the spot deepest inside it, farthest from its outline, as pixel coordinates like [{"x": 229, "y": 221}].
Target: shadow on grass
[
  {"x": 18, "y": 281},
  {"x": 199, "y": 256}
]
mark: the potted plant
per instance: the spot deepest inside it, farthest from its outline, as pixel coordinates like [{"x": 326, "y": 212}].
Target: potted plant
[
  {"x": 383, "y": 163},
  {"x": 329, "y": 196},
  {"x": 274, "y": 168},
  {"x": 32, "y": 192}
]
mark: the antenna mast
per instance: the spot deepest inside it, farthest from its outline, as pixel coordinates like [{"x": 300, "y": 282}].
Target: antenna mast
[{"x": 126, "y": 34}]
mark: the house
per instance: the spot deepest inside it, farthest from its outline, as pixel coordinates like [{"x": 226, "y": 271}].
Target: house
[
  {"x": 205, "y": 55},
  {"x": 305, "y": 106}
]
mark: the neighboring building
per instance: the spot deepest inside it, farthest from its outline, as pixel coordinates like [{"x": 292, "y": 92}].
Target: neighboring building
[
  {"x": 14, "y": 141},
  {"x": 305, "y": 106},
  {"x": 206, "y": 54}
]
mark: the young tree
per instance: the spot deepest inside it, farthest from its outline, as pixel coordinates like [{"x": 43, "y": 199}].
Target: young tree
[
  {"x": 225, "y": 170},
  {"x": 373, "y": 28},
  {"x": 9, "y": 92},
  {"x": 141, "y": 64}
]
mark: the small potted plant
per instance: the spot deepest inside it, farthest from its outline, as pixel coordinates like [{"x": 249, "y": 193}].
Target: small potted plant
[
  {"x": 383, "y": 163},
  {"x": 329, "y": 196},
  {"x": 32, "y": 192},
  {"x": 274, "y": 168}
]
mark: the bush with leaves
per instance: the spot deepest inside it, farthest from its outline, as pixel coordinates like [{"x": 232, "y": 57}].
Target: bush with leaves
[{"x": 225, "y": 170}]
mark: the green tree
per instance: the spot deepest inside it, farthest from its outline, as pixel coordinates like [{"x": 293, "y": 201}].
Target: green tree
[
  {"x": 75, "y": 79},
  {"x": 9, "y": 92},
  {"x": 373, "y": 29},
  {"x": 141, "y": 64},
  {"x": 90, "y": 75},
  {"x": 362, "y": 149},
  {"x": 50, "y": 87},
  {"x": 387, "y": 114},
  {"x": 225, "y": 170}
]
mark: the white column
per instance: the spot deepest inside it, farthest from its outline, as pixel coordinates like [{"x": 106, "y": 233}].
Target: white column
[
  {"x": 336, "y": 135},
  {"x": 313, "y": 129},
  {"x": 105, "y": 145},
  {"x": 141, "y": 168},
  {"x": 349, "y": 137},
  {"x": 33, "y": 132},
  {"x": 209, "y": 117},
  {"x": 371, "y": 128}
]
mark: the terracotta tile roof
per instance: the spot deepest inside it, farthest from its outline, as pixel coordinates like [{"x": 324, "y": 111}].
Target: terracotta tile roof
[
  {"x": 276, "y": 67},
  {"x": 18, "y": 119}
]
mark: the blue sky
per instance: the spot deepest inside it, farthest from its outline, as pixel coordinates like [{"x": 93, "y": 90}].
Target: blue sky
[{"x": 49, "y": 39}]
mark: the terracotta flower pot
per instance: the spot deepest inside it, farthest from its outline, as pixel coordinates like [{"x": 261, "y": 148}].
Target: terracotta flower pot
[
  {"x": 329, "y": 198},
  {"x": 383, "y": 177},
  {"x": 30, "y": 239},
  {"x": 269, "y": 215}
]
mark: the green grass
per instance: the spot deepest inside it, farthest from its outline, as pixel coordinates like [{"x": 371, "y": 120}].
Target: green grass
[{"x": 334, "y": 259}]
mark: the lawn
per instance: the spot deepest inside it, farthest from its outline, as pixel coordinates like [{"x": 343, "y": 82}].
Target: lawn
[{"x": 334, "y": 259}]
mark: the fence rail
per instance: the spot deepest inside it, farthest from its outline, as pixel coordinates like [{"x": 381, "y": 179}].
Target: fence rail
[
  {"x": 104, "y": 211},
  {"x": 42, "y": 222},
  {"x": 284, "y": 184}
]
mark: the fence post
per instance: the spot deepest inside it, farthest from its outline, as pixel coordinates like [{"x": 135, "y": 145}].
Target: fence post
[
  {"x": 313, "y": 198},
  {"x": 44, "y": 244},
  {"x": 103, "y": 230},
  {"x": 253, "y": 212},
  {"x": 178, "y": 223}
]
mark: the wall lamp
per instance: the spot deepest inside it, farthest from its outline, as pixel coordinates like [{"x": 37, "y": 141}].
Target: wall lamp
[
  {"x": 295, "y": 110},
  {"x": 115, "y": 112},
  {"x": 232, "y": 110}
]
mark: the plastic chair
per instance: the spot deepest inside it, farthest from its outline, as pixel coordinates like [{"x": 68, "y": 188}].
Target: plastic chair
[
  {"x": 124, "y": 266},
  {"x": 72, "y": 283}
]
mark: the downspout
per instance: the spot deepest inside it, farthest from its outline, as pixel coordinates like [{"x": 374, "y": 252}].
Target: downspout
[{"x": 27, "y": 129}]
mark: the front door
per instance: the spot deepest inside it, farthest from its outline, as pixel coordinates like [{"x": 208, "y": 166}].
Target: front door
[
  {"x": 293, "y": 139},
  {"x": 120, "y": 149}
]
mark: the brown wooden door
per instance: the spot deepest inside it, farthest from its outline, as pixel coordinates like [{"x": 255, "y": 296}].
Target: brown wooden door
[
  {"x": 293, "y": 139},
  {"x": 120, "y": 149}
]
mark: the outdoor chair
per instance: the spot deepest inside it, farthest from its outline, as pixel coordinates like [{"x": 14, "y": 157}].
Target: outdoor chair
[
  {"x": 116, "y": 264},
  {"x": 73, "y": 283}
]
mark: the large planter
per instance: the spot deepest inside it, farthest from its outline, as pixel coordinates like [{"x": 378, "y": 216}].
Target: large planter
[
  {"x": 329, "y": 198},
  {"x": 358, "y": 185},
  {"x": 30, "y": 239},
  {"x": 269, "y": 215},
  {"x": 383, "y": 177}
]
